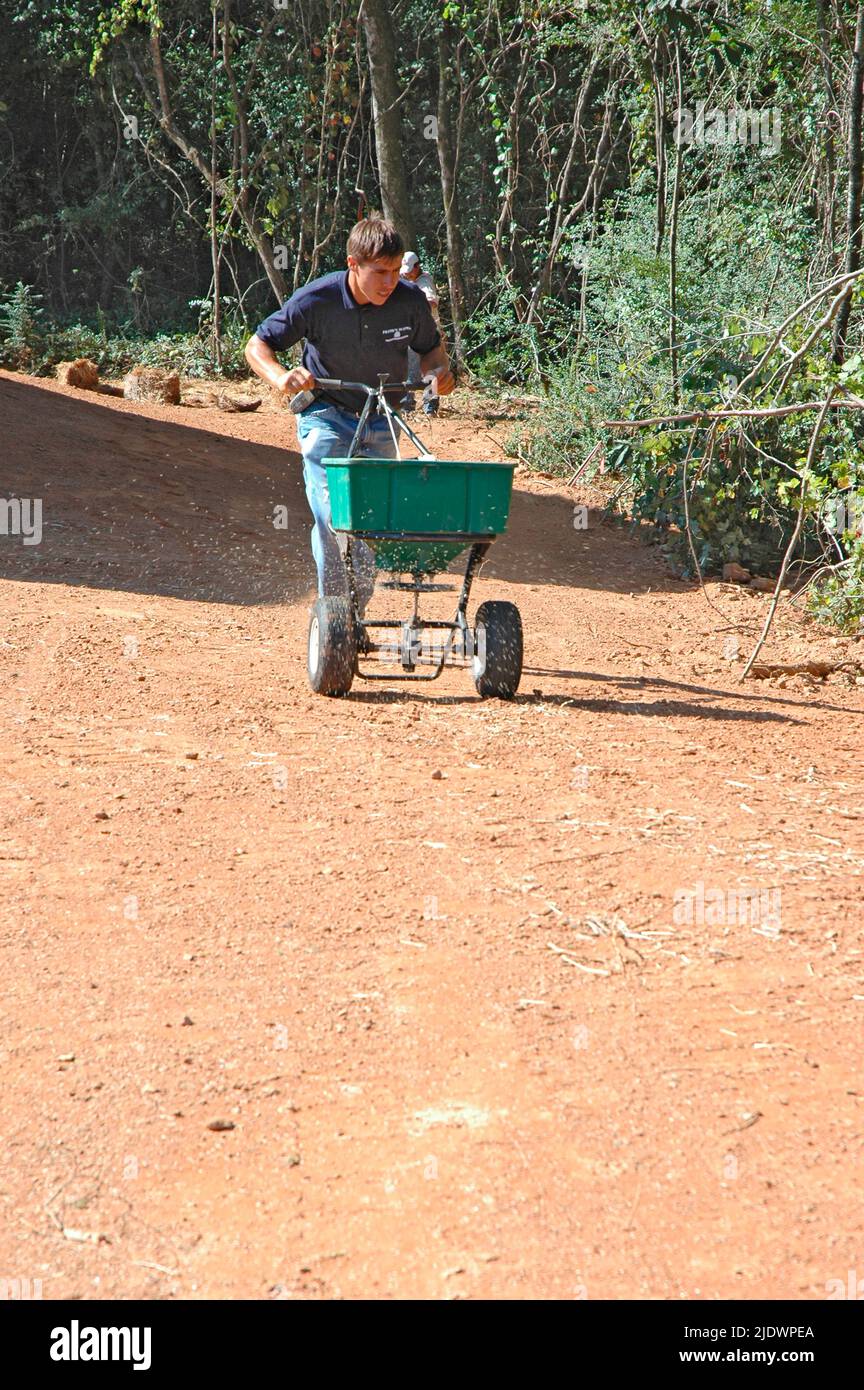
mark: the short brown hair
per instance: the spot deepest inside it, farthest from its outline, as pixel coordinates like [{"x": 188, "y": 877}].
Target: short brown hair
[{"x": 375, "y": 239}]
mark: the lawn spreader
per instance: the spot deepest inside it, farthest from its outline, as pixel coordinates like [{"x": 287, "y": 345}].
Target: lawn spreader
[{"x": 416, "y": 515}]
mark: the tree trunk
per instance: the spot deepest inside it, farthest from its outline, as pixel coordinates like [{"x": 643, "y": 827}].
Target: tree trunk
[
  {"x": 381, "y": 52},
  {"x": 673, "y": 247},
  {"x": 504, "y": 242},
  {"x": 447, "y": 163},
  {"x": 830, "y": 108},
  {"x": 658, "y": 96},
  {"x": 853, "y": 202},
  {"x": 590, "y": 194},
  {"x": 95, "y": 138},
  {"x": 215, "y": 252},
  {"x": 165, "y": 115}
]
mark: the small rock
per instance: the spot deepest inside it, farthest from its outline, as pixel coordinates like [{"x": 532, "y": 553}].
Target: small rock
[
  {"x": 152, "y": 384},
  {"x": 735, "y": 574},
  {"x": 81, "y": 373},
  {"x": 102, "y": 815},
  {"x": 91, "y": 1237},
  {"x": 193, "y": 756},
  {"x": 187, "y": 1022},
  {"x": 220, "y": 1125},
  {"x": 66, "y": 1057},
  {"x": 235, "y": 403},
  {"x": 437, "y": 776}
]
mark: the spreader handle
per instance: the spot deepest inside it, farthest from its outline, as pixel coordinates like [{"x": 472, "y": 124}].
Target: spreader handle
[
  {"x": 303, "y": 399},
  {"x": 331, "y": 384}
]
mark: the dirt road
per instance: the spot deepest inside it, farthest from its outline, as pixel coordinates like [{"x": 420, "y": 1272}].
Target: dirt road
[{"x": 557, "y": 998}]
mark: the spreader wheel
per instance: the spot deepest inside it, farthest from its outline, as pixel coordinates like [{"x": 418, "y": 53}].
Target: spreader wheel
[
  {"x": 497, "y": 661},
  {"x": 332, "y": 646}
]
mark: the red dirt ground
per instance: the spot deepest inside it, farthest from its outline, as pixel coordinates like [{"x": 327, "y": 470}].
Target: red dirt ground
[{"x": 387, "y": 937}]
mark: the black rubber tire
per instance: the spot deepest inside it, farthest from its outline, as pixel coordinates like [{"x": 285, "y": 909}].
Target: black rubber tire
[
  {"x": 498, "y": 670},
  {"x": 332, "y": 646}
]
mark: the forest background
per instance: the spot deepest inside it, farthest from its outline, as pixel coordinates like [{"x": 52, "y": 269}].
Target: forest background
[{"x": 644, "y": 218}]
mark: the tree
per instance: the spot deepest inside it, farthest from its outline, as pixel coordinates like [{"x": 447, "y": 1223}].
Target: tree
[
  {"x": 855, "y": 175},
  {"x": 381, "y": 54},
  {"x": 244, "y": 166},
  {"x": 448, "y": 159}
]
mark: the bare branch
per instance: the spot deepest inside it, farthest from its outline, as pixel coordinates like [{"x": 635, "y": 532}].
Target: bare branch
[
  {"x": 797, "y": 408},
  {"x": 775, "y": 598}
]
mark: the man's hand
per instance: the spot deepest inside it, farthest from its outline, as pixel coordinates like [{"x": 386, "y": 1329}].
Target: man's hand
[
  {"x": 297, "y": 380},
  {"x": 446, "y": 380},
  {"x": 264, "y": 362},
  {"x": 437, "y": 363}
]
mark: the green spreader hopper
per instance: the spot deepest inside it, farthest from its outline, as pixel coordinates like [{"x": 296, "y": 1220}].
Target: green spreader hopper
[
  {"x": 416, "y": 516},
  {"x": 446, "y": 502}
]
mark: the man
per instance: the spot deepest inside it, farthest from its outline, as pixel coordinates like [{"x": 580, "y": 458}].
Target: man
[
  {"x": 414, "y": 272},
  {"x": 357, "y": 324},
  {"x": 416, "y": 275}
]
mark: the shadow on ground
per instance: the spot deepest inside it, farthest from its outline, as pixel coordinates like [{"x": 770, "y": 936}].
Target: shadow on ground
[{"x": 136, "y": 504}]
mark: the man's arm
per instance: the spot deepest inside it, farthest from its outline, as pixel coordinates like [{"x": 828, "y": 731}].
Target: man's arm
[
  {"x": 438, "y": 362},
  {"x": 264, "y": 363},
  {"x": 430, "y": 289}
]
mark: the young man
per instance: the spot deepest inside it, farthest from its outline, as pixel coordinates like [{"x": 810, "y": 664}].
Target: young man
[{"x": 357, "y": 324}]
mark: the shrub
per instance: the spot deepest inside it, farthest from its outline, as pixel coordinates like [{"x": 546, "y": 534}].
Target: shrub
[
  {"x": 742, "y": 500},
  {"x": 26, "y": 344},
  {"x": 21, "y": 334}
]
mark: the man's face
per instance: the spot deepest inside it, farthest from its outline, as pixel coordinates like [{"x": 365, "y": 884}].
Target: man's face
[
  {"x": 412, "y": 274},
  {"x": 375, "y": 280}
]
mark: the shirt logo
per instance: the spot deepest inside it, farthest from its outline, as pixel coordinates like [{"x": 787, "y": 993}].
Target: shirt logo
[{"x": 397, "y": 335}]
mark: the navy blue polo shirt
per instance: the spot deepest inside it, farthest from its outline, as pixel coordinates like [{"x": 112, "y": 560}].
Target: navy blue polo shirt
[{"x": 351, "y": 341}]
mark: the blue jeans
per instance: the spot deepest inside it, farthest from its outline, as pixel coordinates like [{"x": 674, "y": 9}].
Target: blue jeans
[{"x": 326, "y": 432}]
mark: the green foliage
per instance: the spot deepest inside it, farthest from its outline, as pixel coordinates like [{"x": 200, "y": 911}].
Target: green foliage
[
  {"x": 837, "y": 600},
  {"x": 28, "y": 343},
  {"x": 498, "y": 347},
  {"x": 190, "y": 354},
  {"x": 21, "y": 333},
  {"x": 116, "y": 18},
  {"x": 742, "y": 498}
]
